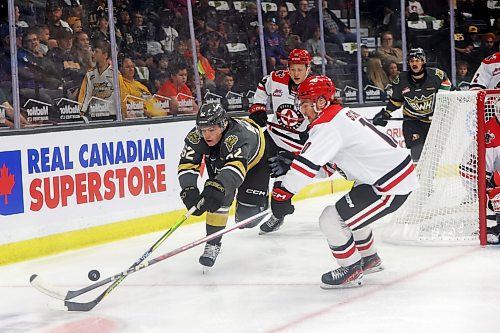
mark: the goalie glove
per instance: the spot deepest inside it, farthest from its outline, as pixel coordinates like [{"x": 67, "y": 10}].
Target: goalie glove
[
  {"x": 380, "y": 119},
  {"x": 281, "y": 201},
  {"x": 280, "y": 164},
  {"x": 258, "y": 114}
]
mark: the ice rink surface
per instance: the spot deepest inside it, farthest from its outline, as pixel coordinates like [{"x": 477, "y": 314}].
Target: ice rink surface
[{"x": 264, "y": 283}]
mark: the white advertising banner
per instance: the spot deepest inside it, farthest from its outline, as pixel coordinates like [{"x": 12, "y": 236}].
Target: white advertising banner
[{"x": 62, "y": 181}]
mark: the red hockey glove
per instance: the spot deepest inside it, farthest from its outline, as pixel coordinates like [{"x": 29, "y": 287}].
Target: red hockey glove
[{"x": 281, "y": 201}]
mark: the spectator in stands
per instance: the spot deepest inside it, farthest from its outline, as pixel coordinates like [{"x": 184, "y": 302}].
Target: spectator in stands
[
  {"x": 375, "y": 74},
  {"x": 387, "y": 52},
  {"x": 464, "y": 45},
  {"x": 392, "y": 71},
  {"x": 181, "y": 97},
  {"x": 487, "y": 48},
  {"x": 44, "y": 38},
  {"x": 391, "y": 22},
  {"x": 249, "y": 23},
  {"x": 335, "y": 30},
  {"x": 54, "y": 19},
  {"x": 464, "y": 77},
  {"x": 82, "y": 50},
  {"x": 75, "y": 24},
  {"x": 365, "y": 55},
  {"x": 312, "y": 45},
  {"x": 97, "y": 86},
  {"x": 67, "y": 65},
  {"x": 17, "y": 15},
  {"x": 180, "y": 48},
  {"x": 299, "y": 19},
  {"x": 169, "y": 32},
  {"x": 124, "y": 24},
  {"x": 225, "y": 85},
  {"x": 160, "y": 75},
  {"x": 139, "y": 34},
  {"x": 130, "y": 87},
  {"x": 283, "y": 13},
  {"x": 204, "y": 67},
  {"x": 216, "y": 53},
  {"x": 43, "y": 71},
  {"x": 275, "y": 51}
]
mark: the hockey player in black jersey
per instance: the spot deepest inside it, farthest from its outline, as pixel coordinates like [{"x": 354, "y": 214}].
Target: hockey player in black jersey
[
  {"x": 415, "y": 91},
  {"x": 233, "y": 151}
]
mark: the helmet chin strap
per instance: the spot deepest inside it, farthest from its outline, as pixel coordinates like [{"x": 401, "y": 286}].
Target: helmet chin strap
[{"x": 316, "y": 109}]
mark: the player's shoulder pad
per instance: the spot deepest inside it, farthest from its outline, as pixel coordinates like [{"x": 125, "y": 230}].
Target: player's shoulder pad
[
  {"x": 494, "y": 58},
  {"x": 281, "y": 76},
  {"x": 195, "y": 140}
]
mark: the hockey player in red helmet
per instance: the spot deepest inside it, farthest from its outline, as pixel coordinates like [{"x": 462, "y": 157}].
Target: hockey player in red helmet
[
  {"x": 286, "y": 129},
  {"x": 383, "y": 174}
]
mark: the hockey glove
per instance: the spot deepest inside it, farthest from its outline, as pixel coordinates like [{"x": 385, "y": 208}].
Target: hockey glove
[
  {"x": 280, "y": 164},
  {"x": 258, "y": 114},
  {"x": 191, "y": 196},
  {"x": 213, "y": 195},
  {"x": 281, "y": 201},
  {"x": 380, "y": 119}
]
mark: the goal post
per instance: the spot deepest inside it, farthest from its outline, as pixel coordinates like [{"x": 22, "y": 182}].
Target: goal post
[{"x": 449, "y": 207}]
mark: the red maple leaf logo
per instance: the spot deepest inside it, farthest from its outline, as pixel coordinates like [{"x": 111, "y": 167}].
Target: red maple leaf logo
[{"x": 6, "y": 183}]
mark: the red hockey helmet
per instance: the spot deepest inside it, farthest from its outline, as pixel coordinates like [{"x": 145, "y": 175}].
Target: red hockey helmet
[
  {"x": 299, "y": 56},
  {"x": 316, "y": 86}
]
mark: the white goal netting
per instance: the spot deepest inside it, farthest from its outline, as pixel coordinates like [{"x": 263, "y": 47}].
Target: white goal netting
[{"x": 444, "y": 210}]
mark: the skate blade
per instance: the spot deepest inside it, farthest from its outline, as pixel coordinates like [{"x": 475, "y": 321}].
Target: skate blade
[
  {"x": 352, "y": 284},
  {"x": 205, "y": 270},
  {"x": 372, "y": 270}
]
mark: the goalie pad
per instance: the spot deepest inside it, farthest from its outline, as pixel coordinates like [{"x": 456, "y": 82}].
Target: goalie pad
[{"x": 494, "y": 197}]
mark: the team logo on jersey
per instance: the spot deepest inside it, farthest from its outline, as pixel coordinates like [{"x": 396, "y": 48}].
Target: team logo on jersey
[
  {"x": 489, "y": 137},
  {"x": 405, "y": 90},
  {"x": 278, "y": 93},
  {"x": 280, "y": 74},
  {"x": 422, "y": 103},
  {"x": 194, "y": 137},
  {"x": 439, "y": 73},
  {"x": 230, "y": 142},
  {"x": 288, "y": 117}
]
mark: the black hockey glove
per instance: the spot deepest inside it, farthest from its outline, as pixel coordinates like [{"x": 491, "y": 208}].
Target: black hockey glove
[
  {"x": 258, "y": 114},
  {"x": 280, "y": 164},
  {"x": 281, "y": 201},
  {"x": 213, "y": 195},
  {"x": 380, "y": 119},
  {"x": 191, "y": 196}
]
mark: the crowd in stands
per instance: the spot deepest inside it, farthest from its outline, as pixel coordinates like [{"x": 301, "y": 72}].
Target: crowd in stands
[{"x": 59, "y": 44}]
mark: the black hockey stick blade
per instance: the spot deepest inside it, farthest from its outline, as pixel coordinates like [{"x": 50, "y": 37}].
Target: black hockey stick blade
[
  {"x": 87, "y": 306},
  {"x": 56, "y": 292}
]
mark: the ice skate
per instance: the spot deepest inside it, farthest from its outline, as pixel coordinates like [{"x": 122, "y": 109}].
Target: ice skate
[
  {"x": 371, "y": 264},
  {"x": 271, "y": 225},
  {"x": 210, "y": 254},
  {"x": 343, "y": 277}
]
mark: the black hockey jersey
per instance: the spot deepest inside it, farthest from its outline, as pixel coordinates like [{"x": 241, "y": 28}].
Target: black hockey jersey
[
  {"x": 417, "y": 96},
  {"x": 241, "y": 147}
]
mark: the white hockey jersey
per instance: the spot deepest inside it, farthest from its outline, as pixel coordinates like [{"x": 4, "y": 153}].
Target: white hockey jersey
[
  {"x": 487, "y": 75},
  {"x": 287, "y": 121},
  {"x": 98, "y": 86},
  {"x": 367, "y": 156}
]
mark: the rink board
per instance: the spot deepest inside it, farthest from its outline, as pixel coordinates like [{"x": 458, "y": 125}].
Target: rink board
[{"x": 73, "y": 189}]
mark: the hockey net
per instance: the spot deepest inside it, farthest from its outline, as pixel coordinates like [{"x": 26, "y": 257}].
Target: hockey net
[{"x": 445, "y": 210}]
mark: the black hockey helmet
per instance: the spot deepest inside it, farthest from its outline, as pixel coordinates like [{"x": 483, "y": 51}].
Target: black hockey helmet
[
  {"x": 211, "y": 114},
  {"x": 416, "y": 53}
]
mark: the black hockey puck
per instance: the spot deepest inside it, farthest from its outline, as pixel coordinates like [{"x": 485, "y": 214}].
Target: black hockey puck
[{"x": 94, "y": 275}]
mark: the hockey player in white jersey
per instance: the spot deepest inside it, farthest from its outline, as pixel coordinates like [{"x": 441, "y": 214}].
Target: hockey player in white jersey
[
  {"x": 487, "y": 75},
  {"x": 286, "y": 132},
  {"x": 383, "y": 173}
]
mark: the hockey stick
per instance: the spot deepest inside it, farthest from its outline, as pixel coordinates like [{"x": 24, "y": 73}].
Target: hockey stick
[
  {"x": 76, "y": 306},
  {"x": 58, "y": 293}
]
